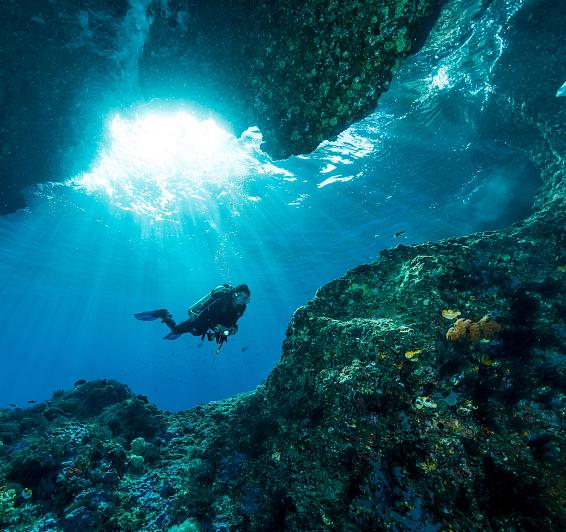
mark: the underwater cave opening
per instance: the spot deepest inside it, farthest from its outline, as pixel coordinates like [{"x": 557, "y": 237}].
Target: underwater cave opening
[{"x": 154, "y": 159}]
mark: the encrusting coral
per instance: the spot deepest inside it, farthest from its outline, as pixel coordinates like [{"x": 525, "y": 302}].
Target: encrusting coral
[{"x": 472, "y": 331}]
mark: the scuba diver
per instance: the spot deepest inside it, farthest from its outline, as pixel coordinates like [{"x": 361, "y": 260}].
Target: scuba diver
[{"x": 214, "y": 316}]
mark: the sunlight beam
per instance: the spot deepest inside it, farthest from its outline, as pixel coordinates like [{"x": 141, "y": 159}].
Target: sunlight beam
[{"x": 155, "y": 162}]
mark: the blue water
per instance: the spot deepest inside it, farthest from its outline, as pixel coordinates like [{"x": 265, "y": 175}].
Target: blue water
[{"x": 76, "y": 266}]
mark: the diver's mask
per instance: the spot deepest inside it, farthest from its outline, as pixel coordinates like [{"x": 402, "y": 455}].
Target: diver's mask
[{"x": 241, "y": 298}]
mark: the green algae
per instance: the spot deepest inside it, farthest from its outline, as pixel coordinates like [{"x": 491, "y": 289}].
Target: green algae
[{"x": 8, "y": 513}]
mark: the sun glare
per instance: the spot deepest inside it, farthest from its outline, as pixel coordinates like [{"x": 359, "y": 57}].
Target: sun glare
[
  {"x": 156, "y": 163},
  {"x": 164, "y": 165}
]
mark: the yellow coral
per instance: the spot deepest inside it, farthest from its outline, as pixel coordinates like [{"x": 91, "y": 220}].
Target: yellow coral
[
  {"x": 412, "y": 354},
  {"x": 450, "y": 314},
  {"x": 472, "y": 331},
  {"x": 488, "y": 327}
]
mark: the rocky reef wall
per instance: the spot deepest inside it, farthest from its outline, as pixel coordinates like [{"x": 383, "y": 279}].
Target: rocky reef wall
[
  {"x": 300, "y": 71},
  {"x": 374, "y": 418},
  {"x": 527, "y": 113},
  {"x": 57, "y": 63}
]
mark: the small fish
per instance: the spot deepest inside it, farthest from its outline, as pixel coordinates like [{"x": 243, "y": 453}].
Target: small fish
[
  {"x": 199, "y": 345},
  {"x": 31, "y": 401},
  {"x": 450, "y": 314},
  {"x": 79, "y": 382},
  {"x": 399, "y": 233},
  {"x": 38, "y": 20},
  {"x": 561, "y": 91},
  {"x": 13, "y": 404},
  {"x": 245, "y": 348}
]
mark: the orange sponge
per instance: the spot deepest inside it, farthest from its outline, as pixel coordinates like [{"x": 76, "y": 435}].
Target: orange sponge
[{"x": 472, "y": 331}]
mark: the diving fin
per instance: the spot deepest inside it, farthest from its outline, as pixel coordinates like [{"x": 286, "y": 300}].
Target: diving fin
[{"x": 151, "y": 315}]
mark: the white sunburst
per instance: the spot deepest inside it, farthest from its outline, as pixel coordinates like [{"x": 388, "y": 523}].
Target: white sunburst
[{"x": 155, "y": 162}]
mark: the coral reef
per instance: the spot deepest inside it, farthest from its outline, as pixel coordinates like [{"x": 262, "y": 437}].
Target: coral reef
[
  {"x": 54, "y": 57},
  {"x": 370, "y": 420},
  {"x": 8, "y": 513},
  {"x": 301, "y": 71}
]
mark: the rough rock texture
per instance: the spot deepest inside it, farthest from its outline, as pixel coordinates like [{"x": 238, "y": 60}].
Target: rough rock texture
[
  {"x": 301, "y": 71},
  {"x": 529, "y": 115},
  {"x": 57, "y": 62},
  {"x": 371, "y": 420}
]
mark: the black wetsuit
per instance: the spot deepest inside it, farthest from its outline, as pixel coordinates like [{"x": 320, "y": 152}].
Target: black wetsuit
[{"x": 220, "y": 310}]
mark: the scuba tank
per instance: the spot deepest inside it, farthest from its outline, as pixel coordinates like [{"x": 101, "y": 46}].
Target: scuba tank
[{"x": 202, "y": 304}]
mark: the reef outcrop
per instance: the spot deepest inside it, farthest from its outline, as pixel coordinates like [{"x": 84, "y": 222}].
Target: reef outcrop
[
  {"x": 371, "y": 420},
  {"x": 528, "y": 115},
  {"x": 300, "y": 71},
  {"x": 59, "y": 64}
]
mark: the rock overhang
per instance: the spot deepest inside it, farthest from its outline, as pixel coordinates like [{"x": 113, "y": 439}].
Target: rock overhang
[{"x": 302, "y": 72}]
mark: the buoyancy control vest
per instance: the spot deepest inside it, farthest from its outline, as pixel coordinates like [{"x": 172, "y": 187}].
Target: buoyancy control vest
[{"x": 205, "y": 302}]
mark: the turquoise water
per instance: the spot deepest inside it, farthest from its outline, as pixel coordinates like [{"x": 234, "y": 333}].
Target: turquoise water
[{"x": 77, "y": 264}]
